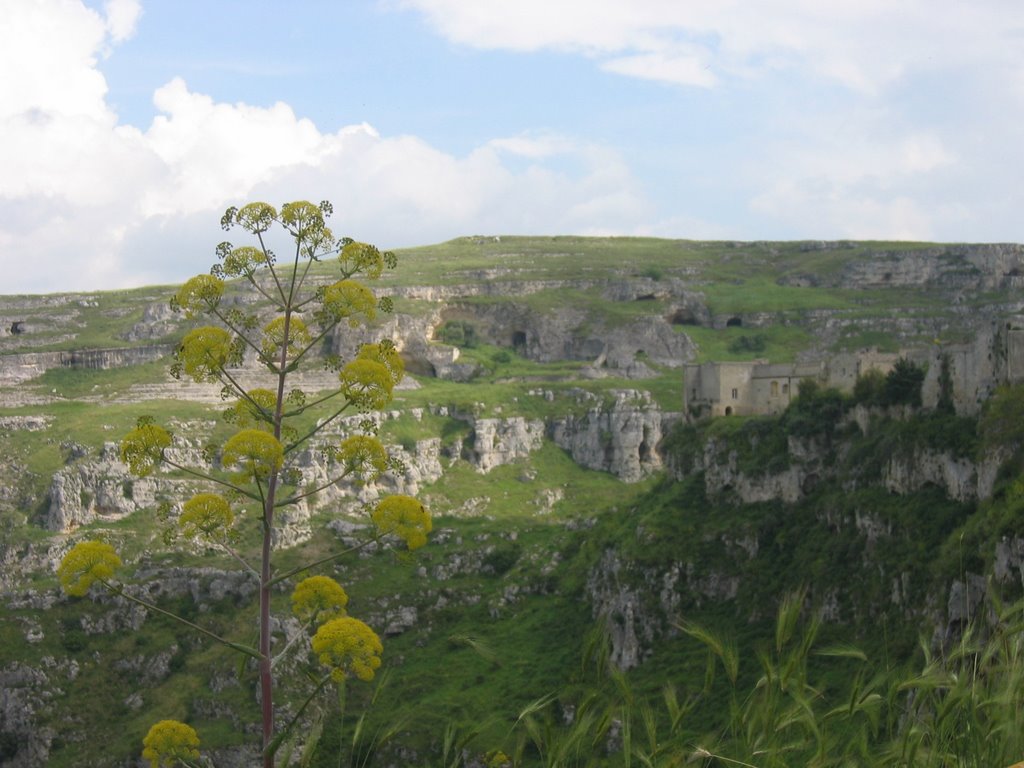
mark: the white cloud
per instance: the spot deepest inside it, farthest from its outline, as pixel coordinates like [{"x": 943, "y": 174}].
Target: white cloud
[
  {"x": 86, "y": 203},
  {"x": 684, "y": 69},
  {"x": 122, "y": 16},
  {"x": 858, "y": 181},
  {"x": 48, "y": 55},
  {"x": 863, "y": 44}
]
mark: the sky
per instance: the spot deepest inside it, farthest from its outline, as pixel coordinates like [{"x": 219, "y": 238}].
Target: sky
[{"x": 128, "y": 126}]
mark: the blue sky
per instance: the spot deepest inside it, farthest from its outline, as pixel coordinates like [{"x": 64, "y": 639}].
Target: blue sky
[{"x": 129, "y": 125}]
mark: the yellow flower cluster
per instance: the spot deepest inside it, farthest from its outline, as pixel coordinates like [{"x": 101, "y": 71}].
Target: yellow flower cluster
[
  {"x": 274, "y": 337},
  {"x": 204, "y": 352},
  {"x": 302, "y": 215},
  {"x": 362, "y": 456},
  {"x": 254, "y": 453},
  {"x": 244, "y": 260},
  {"x": 142, "y": 449},
  {"x": 254, "y": 410},
  {"x": 318, "y": 598},
  {"x": 361, "y": 258},
  {"x": 256, "y": 217},
  {"x": 385, "y": 354},
  {"x": 367, "y": 384},
  {"x": 168, "y": 743},
  {"x": 86, "y": 562},
  {"x": 348, "y": 646},
  {"x": 349, "y": 299},
  {"x": 369, "y": 380},
  {"x": 405, "y": 517},
  {"x": 206, "y": 516},
  {"x": 497, "y": 759},
  {"x": 200, "y": 294}
]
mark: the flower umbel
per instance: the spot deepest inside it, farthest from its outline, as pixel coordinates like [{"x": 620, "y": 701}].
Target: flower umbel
[
  {"x": 168, "y": 743},
  {"x": 361, "y": 258},
  {"x": 366, "y": 383},
  {"x": 206, "y": 516},
  {"x": 351, "y": 300},
  {"x": 385, "y": 354},
  {"x": 204, "y": 352},
  {"x": 254, "y": 453},
  {"x": 348, "y": 646},
  {"x": 143, "y": 448},
  {"x": 405, "y": 517},
  {"x": 274, "y": 337},
  {"x": 84, "y": 564},
  {"x": 200, "y": 294},
  {"x": 256, "y": 409},
  {"x": 244, "y": 260},
  {"x": 362, "y": 456},
  {"x": 318, "y": 598}
]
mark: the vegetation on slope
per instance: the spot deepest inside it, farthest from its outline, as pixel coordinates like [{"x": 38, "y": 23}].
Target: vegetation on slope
[{"x": 505, "y": 601}]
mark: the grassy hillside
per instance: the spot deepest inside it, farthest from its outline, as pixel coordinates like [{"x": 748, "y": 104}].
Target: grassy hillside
[{"x": 538, "y": 569}]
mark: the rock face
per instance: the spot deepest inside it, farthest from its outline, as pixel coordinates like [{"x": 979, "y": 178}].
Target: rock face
[
  {"x": 958, "y": 477},
  {"x": 23, "y": 691},
  {"x": 627, "y": 622},
  {"x": 503, "y": 441},
  {"x": 571, "y": 334},
  {"x": 981, "y": 267},
  {"x": 18, "y": 368},
  {"x": 620, "y": 437},
  {"x": 97, "y": 490},
  {"x": 805, "y": 465}
]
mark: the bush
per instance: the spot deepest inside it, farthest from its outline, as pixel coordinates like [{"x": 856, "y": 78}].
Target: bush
[
  {"x": 869, "y": 388},
  {"x": 458, "y": 333},
  {"x": 753, "y": 344},
  {"x": 903, "y": 384},
  {"x": 816, "y": 410}
]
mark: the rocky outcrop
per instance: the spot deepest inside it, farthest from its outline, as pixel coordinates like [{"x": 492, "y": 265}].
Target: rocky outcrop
[
  {"x": 18, "y": 368},
  {"x": 621, "y": 608},
  {"x": 158, "y": 320},
  {"x": 104, "y": 489},
  {"x": 909, "y": 472},
  {"x": 24, "y": 690},
  {"x": 568, "y": 333},
  {"x": 979, "y": 267},
  {"x": 502, "y": 441},
  {"x": 620, "y": 437},
  {"x": 1008, "y": 566}
]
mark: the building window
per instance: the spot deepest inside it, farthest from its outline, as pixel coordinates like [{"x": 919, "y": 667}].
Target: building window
[
  {"x": 785, "y": 389},
  {"x": 775, "y": 389},
  {"x": 735, "y": 394}
]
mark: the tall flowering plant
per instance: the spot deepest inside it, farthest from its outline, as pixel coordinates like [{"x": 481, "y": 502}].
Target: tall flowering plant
[{"x": 253, "y": 472}]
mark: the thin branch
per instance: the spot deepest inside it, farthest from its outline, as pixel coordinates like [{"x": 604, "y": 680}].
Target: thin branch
[
  {"x": 251, "y": 275},
  {"x": 202, "y": 630},
  {"x": 296, "y": 443},
  {"x": 220, "y": 316},
  {"x": 212, "y": 479},
  {"x": 305, "y": 407},
  {"x": 291, "y": 643},
  {"x": 245, "y": 563},
  {"x": 305, "y": 495},
  {"x": 270, "y": 266},
  {"x": 283, "y": 734},
  {"x": 316, "y": 563},
  {"x": 313, "y": 343},
  {"x": 305, "y": 273}
]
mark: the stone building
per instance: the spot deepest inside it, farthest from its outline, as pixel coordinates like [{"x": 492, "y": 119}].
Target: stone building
[
  {"x": 975, "y": 369},
  {"x": 759, "y": 387}
]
